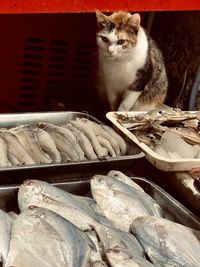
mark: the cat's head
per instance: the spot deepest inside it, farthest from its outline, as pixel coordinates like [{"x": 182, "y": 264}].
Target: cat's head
[{"x": 117, "y": 33}]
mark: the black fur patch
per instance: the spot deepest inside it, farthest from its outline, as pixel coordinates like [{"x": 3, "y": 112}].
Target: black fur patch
[
  {"x": 144, "y": 75},
  {"x": 109, "y": 25},
  {"x": 151, "y": 79}
]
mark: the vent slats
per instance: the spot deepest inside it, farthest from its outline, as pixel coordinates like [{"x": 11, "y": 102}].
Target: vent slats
[
  {"x": 33, "y": 56},
  {"x": 35, "y": 40},
  {"x": 54, "y": 71}
]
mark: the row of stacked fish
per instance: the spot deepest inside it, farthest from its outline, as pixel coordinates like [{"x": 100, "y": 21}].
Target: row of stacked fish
[
  {"x": 79, "y": 139},
  {"x": 120, "y": 226},
  {"x": 171, "y": 133}
]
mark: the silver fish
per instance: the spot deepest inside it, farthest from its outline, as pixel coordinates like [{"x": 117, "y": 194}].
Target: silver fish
[
  {"x": 124, "y": 178},
  {"x": 5, "y": 233},
  {"x": 83, "y": 141},
  {"x": 105, "y": 143},
  {"x": 26, "y": 137},
  {"x": 121, "y": 248},
  {"x": 88, "y": 131},
  {"x": 13, "y": 160},
  {"x": 66, "y": 134},
  {"x": 3, "y": 153},
  {"x": 64, "y": 146},
  {"x": 76, "y": 209},
  {"x": 43, "y": 238},
  {"x": 121, "y": 142},
  {"x": 96, "y": 255},
  {"x": 47, "y": 144},
  {"x": 101, "y": 131},
  {"x": 121, "y": 203},
  {"x": 16, "y": 149},
  {"x": 168, "y": 243}
]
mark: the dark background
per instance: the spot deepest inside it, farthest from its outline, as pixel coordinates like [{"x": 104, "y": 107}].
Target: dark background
[{"x": 47, "y": 61}]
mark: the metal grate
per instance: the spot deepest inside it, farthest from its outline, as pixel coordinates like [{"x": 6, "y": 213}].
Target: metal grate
[
  {"x": 55, "y": 71},
  {"x": 31, "y": 71}
]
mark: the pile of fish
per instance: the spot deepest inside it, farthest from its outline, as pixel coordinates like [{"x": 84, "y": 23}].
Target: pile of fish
[
  {"x": 171, "y": 133},
  {"x": 77, "y": 140},
  {"x": 120, "y": 226}
]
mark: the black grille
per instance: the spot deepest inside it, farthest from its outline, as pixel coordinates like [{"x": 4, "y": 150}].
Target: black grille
[{"x": 54, "y": 71}]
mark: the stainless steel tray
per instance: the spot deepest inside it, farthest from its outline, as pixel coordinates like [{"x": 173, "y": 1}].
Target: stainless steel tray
[
  {"x": 17, "y": 174},
  {"x": 173, "y": 210}
]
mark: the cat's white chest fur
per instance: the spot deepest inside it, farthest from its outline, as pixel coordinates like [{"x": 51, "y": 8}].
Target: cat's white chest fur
[{"x": 118, "y": 74}]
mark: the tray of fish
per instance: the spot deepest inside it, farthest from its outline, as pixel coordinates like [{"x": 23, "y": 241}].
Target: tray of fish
[
  {"x": 169, "y": 137},
  {"x": 108, "y": 220},
  {"x": 54, "y": 139}
]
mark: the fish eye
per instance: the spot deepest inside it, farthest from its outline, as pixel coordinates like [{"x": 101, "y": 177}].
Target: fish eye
[
  {"x": 121, "y": 41},
  {"x": 105, "y": 39}
]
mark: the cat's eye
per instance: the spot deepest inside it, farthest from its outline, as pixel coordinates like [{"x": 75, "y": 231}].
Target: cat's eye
[
  {"x": 121, "y": 42},
  {"x": 105, "y": 39}
]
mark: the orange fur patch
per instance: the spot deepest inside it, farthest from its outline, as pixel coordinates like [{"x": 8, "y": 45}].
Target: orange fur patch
[{"x": 120, "y": 20}]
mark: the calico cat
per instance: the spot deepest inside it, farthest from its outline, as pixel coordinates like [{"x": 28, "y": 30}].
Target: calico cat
[{"x": 131, "y": 71}]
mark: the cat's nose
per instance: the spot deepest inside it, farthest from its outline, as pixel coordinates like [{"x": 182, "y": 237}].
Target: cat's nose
[{"x": 111, "y": 50}]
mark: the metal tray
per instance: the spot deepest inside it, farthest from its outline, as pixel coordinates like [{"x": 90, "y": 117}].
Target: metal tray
[
  {"x": 173, "y": 210},
  {"x": 16, "y": 174},
  {"x": 159, "y": 162}
]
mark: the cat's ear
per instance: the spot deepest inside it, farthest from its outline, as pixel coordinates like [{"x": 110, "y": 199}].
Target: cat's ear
[
  {"x": 134, "y": 21},
  {"x": 101, "y": 18}
]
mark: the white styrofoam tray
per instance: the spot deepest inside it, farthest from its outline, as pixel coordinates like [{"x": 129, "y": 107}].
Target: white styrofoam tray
[{"x": 159, "y": 162}]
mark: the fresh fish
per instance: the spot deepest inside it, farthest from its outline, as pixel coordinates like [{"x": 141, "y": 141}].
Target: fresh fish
[
  {"x": 47, "y": 144},
  {"x": 42, "y": 238},
  {"x": 124, "y": 178},
  {"x": 67, "y": 136},
  {"x": 5, "y": 233},
  {"x": 3, "y": 153},
  {"x": 13, "y": 160},
  {"x": 121, "y": 142},
  {"x": 83, "y": 141},
  {"x": 88, "y": 131},
  {"x": 121, "y": 203},
  {"x": 26, "y": 137},
  {"x": 105, "y": 143},
  {"x": 15, "y": 149},
  {"x": 168, "y": 243},
  {"x": 120, "y": 247},
  {"x": 100, "y": 130},
  {"x": 64, "y": 146},
  {"x": 96, "y": 255},
  {"x": 76, "y": 209}
]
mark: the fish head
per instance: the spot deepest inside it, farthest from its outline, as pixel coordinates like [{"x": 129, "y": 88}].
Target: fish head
[
  {"x": 103, "y": 182},
  {"x": 31, "y": 192},
  {"x": 98, "y": 182}
]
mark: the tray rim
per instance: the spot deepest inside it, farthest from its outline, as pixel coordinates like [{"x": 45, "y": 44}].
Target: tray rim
[{"x": 158, "y": 161}]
